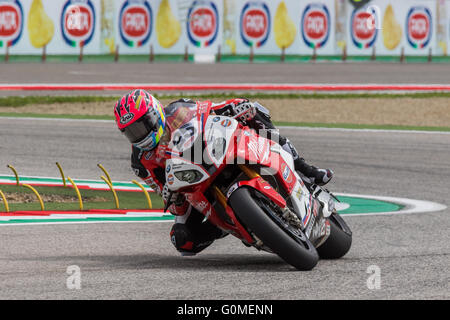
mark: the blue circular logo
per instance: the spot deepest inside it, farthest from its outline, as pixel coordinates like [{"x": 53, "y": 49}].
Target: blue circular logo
[
  {"x": 135, "y": 22},
  {"x": 363, "y": 27},
  {"x": 315, "y": 25},
  {"x": 11, "y": 22},
  {"x": 419, "y": 26},
  {"x": 78, "y": 22},
  {"x": 255, "y": 23},
  {"x": 202, "y": 23}
]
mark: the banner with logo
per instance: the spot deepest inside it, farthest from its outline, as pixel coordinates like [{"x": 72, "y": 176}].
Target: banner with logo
[
  {"x": 386, "y": 27},
  {"x": 168, "y": 26},
  {"x": 27, "y": 26},
  {"x": 101, "y": 26},
  {"x": 269, "y": 27}
]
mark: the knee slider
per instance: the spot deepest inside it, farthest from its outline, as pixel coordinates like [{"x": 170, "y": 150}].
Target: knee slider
[{"x": 181, "y": 237}]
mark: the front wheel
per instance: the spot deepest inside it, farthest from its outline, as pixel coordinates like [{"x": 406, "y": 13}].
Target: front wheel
[
  {"x": 340, "y": 240},
  {"x": 257, "y": 215}
]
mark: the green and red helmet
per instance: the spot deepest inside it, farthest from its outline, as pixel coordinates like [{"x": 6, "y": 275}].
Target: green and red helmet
[{"x": 140, "y": 117}]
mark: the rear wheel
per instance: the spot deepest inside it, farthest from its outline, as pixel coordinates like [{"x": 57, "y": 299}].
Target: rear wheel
[
  {"x": 340, "y": 240},
  {"x": 258, "y": 215}
]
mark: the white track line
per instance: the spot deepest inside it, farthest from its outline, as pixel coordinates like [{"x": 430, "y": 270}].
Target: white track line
[{"x": 411, "y": 205}]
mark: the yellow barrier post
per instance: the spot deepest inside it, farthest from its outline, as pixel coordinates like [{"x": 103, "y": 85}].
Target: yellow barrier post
[
  {"x": 149, "y": 201},
  {"x": 37, "y": 195},
  {"x": 80, "y": 200},
  {"x": 116, "y": 199},
  {"x": 105, "y": 172},
  {"x": 15, "y": 173},
  {"x": 62, "y": 174},
  {"x": 4, "y": 200}
]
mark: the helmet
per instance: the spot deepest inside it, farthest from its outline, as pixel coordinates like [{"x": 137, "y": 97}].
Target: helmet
[{"x": 140, "y": 117}]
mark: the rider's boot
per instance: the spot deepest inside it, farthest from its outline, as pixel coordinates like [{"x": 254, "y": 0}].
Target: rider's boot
[{"x": 314, "y": 175}]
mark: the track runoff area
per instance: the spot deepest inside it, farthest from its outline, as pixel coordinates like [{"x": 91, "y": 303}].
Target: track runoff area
[{"x": 350, "y": 204}]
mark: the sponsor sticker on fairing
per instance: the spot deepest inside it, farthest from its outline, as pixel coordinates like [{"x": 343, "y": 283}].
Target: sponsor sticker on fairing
[
  {"x": 315, "y": 25},
  {"x": 135, "y": 22},
  {"x": 78, "y": 22},
  {"x": 286, "y": 172},
  {"x": 202, "y": 23},
  {"x": 363, "y": 27},
  {"x": 170, "y": 179},
  {"x": 11, "y": 22},
  {"x": 255, "y": 23},
  {"x": 226, "y": 123},
  {"x": 419, "y": 27}
]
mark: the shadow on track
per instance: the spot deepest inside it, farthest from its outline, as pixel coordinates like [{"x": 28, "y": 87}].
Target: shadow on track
[{"x": 206, "y": 262}]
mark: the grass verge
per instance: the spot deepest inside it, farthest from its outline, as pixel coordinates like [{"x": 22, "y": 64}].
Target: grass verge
[
  {"x": 18, "y": 101},
  {"x": 15, "y": 103},
  {"x": 276, "y": 123}
]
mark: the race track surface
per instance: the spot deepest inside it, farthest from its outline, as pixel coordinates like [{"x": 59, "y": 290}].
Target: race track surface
[
  {"x": 172, "y": 73},
  {"x": 137, "y": 261}
]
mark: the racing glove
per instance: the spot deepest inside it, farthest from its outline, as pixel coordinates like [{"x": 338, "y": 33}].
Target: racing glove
[
  {"x": 244, "y": 112},
  {"x": 240, "y": 109},
  {"x": 179, "y": 205}
]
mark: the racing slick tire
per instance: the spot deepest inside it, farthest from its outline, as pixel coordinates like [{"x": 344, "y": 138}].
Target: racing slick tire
[
  {"x": 294, "y": 248},
  {"x": 340, "y": 240}
]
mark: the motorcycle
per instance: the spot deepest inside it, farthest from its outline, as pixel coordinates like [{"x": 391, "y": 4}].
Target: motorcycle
[{"x": 246, "y": 185}]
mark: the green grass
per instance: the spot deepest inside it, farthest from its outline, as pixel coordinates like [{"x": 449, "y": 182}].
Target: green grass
[
  {"x": 55, "y": 116},
  {"x": 127, "y": 200},
  {"x": 277, "y": 123},
  {"x": 17, "y": 101},
  {"x": 23, "y": 101}
]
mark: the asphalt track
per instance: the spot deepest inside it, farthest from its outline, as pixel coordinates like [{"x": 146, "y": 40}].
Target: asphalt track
[
  {"x": 172, "y": 73},
  {"x": 137, "y": 261}
]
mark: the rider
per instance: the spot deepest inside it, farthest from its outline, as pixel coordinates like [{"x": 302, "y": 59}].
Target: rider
[{"x": 148, "y": 126}]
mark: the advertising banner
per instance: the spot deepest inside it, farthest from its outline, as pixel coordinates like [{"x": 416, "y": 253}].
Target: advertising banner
[
  {"x": 388, "y": 26},
  {"x": 268, "y": 27},
  {"x": 169, "y": 26},
  {"x": 136, "y": 27},
  {"x": 26, "y": 26}
]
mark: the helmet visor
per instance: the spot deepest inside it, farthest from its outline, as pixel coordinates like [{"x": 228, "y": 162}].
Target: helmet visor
[{"x": 140, "y": 129}]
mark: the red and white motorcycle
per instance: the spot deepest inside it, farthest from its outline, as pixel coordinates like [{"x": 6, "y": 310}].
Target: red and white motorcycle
[{"x": 246, "y": 185}]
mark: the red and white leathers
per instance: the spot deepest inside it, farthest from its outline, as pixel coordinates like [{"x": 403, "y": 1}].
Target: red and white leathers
[
  {"x": 150, "y": 165},
  {"x": 190, "y": 234}
]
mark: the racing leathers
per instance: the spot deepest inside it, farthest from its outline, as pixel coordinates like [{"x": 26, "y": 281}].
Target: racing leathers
[{"x": 190, "y": 234}]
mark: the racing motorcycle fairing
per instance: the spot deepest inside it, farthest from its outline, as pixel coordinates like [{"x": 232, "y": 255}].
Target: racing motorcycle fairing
[{"x": 224, "y": 142}]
